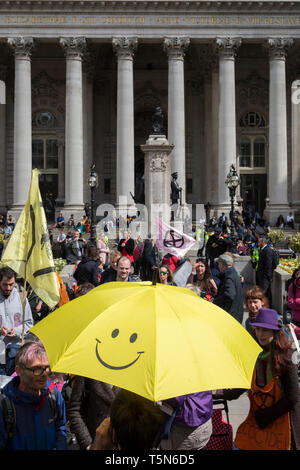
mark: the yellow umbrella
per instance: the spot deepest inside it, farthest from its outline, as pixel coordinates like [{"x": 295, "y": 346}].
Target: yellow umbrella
[{"x": 158, "y": 341}]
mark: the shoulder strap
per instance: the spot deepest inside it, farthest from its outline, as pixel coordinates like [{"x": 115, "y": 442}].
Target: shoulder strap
[
  {"x": 52, "y": 397},
  {"x": 9, "y": 415}
]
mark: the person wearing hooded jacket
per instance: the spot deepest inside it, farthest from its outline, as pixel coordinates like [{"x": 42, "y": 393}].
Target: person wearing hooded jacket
[
  {"x": 38, "y": 424},
  {"x": 87, "y": 269},
  {"x": 230, "y": 293}
]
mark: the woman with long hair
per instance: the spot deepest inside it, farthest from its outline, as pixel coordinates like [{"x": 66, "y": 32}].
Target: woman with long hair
[
  {"x": 254, "y": 301},
  {"x": 201, "y": 276},
  {"x": 165, "y": 275},
  {"x": 273, "y": 422}
]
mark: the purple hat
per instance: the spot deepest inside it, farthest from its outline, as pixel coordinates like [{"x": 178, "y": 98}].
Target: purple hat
[{"x": 267, "y": 318}]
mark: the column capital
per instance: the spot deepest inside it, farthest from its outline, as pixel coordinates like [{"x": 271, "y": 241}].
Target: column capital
[
  {"x": 22, "y": 46},
  {"x": 278, "y": 47},
  {"x": 175, "y": 47},
  {"x": 125, "y": 47},
  {"x": 74, "y": 47},
  {"x": 228, "y": 46}
]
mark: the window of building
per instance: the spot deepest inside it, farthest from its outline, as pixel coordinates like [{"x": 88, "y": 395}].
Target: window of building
[
  {"x": 252, "y": 119},
  {"x": 252, "y": 152},
  {"x": 45, "y": 153},
  {"x": 44, "y": 119}
]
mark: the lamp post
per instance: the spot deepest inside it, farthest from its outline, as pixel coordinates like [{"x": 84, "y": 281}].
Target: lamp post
[
  {"x": 93, "y": 183},
  {"x": 232, "y": 181}
]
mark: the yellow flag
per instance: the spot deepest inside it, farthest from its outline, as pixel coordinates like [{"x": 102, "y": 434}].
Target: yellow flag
[{"x": 28, "y": 251}]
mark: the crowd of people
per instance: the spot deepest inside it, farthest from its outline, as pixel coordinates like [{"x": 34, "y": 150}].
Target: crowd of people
[{"x": 99, "y": 415}]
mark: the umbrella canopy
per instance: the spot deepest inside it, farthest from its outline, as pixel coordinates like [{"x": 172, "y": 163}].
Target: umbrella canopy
[{"x": 158, "y": 341}]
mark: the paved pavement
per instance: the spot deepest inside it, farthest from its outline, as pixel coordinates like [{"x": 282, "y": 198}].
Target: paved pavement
[{"x": 238, "y": 409}]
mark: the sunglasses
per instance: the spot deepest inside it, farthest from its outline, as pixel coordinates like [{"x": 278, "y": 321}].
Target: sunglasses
[
  {"x": 38, "y": 370},
  {"x": 163, "y": 272}
]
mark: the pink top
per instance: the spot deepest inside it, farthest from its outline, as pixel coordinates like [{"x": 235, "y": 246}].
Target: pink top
[{"x": 294, "y": 302}]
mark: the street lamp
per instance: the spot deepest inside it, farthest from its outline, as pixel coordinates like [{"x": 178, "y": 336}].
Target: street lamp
[
  {"x": 93, "y": 183},
  {"x": 232, "y": 181}
]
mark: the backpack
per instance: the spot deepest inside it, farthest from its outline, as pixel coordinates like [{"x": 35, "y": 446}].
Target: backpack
[
  {"x": 9, "y": 411},
  {"x": 275, "y": 260}
]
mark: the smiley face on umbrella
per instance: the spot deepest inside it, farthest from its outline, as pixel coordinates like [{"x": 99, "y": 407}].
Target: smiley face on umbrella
[{"x": 115, "y": 334}]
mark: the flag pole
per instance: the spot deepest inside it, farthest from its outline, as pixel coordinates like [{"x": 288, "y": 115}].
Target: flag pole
[{"x": 24, "y": 296}]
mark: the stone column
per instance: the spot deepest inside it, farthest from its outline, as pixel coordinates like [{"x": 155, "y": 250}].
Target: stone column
[
  {"x": 215, "y": 133},
  {"x": 22, "y": 47},
  {"x": 278, "y": 194},
  {"x": 74, "y": 49},
  {"x": 88, "y": 71},
  {"x": 295, "y": 136},
  {"x": 61, "y": 171},
  {"x": 125, "y": 47},
  {"x": 207, "y": 168},
  {"x": 175, "y": 48},
  {"x": 3, "y": 191},
  {"x": 227, "y": 48}
]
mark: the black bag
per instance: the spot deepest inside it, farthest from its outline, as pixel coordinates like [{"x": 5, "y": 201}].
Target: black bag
[{"x": 276, "y": 257}]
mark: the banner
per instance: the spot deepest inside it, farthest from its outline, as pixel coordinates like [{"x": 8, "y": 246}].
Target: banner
[
  {"x": 29, "y": 252},
  {"x": 172, "y": 241}
]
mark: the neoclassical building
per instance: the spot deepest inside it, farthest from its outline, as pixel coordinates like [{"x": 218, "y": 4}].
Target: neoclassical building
[{"x": 81, "y": 81}]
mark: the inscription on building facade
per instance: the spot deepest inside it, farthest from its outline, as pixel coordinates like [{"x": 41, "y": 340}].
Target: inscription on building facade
[{"x": 208, "y": 20}]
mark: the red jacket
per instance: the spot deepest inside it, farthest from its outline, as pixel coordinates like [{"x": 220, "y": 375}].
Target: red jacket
[{"x": 171, "y": 261}]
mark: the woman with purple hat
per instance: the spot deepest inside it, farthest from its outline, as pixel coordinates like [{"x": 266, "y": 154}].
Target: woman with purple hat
[{"x": 273, "y": 422}]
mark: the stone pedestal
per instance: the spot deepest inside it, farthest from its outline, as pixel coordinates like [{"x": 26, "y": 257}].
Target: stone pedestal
[{"x": 157, "y": 179}]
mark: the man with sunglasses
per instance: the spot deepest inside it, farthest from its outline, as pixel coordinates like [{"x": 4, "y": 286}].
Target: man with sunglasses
[{"x": 38, "y": 408}]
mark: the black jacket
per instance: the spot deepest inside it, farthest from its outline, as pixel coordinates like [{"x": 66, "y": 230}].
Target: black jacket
[
  {"x": 129, "y": 246},
  {"x": 223, "y": 244},
  {"x": 264, "y": 272},
  {"x": 87, "y": 271},
  {"x": 88, "y": 406},
  {"x": 148, "y": 260},
  {"x": 230, "y": 293}
]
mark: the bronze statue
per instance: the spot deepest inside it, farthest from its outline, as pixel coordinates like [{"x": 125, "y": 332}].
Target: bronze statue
[
  {"x": 175, "y": 189},
  {"x": 158, "y": 121}
]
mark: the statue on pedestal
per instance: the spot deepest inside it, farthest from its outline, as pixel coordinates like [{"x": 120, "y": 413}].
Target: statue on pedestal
[
  {"x": 175, "y": 189},
  {"x": 158, "y": 121}
]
